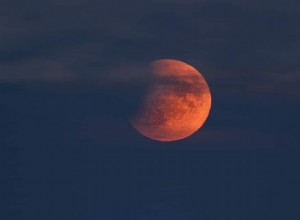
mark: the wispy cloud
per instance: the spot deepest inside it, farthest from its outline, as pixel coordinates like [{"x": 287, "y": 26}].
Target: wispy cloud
[{"x": 248, "y": 46}]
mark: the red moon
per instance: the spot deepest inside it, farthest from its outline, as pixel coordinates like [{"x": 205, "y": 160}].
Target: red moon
[{"x": 177, "y": 103}]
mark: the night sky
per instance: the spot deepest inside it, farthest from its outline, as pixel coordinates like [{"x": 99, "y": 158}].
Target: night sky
[{"x": 71, "y": 74}]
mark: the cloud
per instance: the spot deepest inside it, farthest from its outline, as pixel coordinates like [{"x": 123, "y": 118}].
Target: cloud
[
  {"x": 242, "y": 138},
  {"x": 248, "y": 46},
  {"x": 35, "y": 70},
  {"x": 271, "y": 5}
]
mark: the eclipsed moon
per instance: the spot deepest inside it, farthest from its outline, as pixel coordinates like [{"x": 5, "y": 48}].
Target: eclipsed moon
[{"x": 177, "y": 103}]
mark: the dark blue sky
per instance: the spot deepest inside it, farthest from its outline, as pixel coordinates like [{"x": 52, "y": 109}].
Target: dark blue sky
[{"x": 71, "y": 74}]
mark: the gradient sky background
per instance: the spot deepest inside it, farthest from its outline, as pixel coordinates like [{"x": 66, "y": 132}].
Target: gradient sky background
[{"x": 70, "y": 75}]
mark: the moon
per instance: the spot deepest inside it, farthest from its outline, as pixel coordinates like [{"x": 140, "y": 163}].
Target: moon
[{"x": 176, "y": 104}]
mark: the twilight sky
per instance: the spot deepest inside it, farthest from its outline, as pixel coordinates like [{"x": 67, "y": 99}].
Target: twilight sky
[{"x": 71, "y": 74}]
